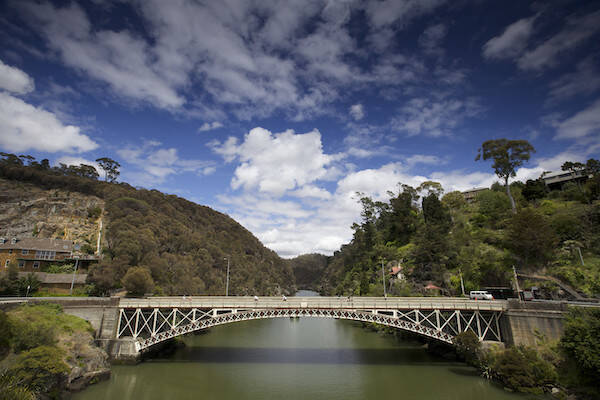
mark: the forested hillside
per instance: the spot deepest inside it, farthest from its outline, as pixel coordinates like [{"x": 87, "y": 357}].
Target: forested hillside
[
  {"x": 162, "y": 243},
  {"x": 435, "y": 237}
]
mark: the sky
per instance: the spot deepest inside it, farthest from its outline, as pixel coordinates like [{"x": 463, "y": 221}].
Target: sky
[{"x": 278, "y": 113}]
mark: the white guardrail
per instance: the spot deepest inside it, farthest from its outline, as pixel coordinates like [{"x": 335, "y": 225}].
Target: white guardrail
[{"x": 371, "y": 303}]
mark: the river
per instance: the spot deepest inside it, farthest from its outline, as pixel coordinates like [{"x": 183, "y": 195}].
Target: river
[{"x": 290, "y": 359}]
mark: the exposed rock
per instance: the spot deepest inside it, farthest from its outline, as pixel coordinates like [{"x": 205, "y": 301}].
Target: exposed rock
[{"x": 29, "y": 211}]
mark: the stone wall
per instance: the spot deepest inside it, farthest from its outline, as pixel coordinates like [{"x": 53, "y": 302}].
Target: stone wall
[{"x": 525, "y": 322}]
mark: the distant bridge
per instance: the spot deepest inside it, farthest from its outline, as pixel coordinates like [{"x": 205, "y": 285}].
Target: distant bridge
[{"x": 126, "y": 327}]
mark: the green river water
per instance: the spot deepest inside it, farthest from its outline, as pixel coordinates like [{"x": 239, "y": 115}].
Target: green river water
[{"x": 309, "y": 358}]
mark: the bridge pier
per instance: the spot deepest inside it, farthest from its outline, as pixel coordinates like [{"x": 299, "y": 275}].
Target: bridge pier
[{"x": 523, "y": 323}]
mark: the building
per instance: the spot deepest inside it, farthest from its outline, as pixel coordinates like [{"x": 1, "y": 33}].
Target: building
[
  {"x": 58, "y": 283},
  {"x": 33, "y": 254},
  {"x": 396, "y": 272},
  {"x": 471, "y": 194},
  {"x": 555, "y": 180}
]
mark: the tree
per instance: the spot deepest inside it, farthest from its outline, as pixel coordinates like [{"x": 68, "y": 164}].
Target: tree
[
  {"x": 507, "y": 156},
  {"x": 531, "y": 238},
  {"x": 110, "y": 167},
  {"x": 534, "y": 189},
  {"x": 138, "y": 281}
]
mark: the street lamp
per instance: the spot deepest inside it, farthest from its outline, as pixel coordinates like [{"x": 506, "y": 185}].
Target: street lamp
[
  {"x": 383, "y": 279},
  {"x": 227, "y": 283}
]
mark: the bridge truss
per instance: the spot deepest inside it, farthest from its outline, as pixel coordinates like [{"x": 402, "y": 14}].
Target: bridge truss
[{"x": 149, "y": 326}]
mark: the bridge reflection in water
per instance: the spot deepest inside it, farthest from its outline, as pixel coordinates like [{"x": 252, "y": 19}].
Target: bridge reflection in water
[{"x": 154, "y": 320}]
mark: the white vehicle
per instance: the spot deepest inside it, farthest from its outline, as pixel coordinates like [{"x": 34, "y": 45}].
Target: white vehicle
[{"x": 480, "y": 295}]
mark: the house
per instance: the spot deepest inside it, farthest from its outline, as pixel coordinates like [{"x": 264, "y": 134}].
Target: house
[
  {"x": 58, "y": 283},
  {"x": 397, "y": 273},
  {"x": 471, "y": 194},
  {"x": 555, "y": 180},
  {"x": 33, "y": 254}
]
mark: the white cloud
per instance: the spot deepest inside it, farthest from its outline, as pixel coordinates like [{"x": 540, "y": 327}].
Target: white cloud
[
  {"x": 153, "y": 164},
  {"x": 276, "y": 163},
  {"x": 583, "y": 125},
  {"x": 26, "y": 127},
  {"x": 585, "y": 80},
  {"x": 387, "y": 12},
  {"x": 431, "y": 39},
  {"x": 434, "y": 117},
  {"x": 357, "y": 112},
  {"x": 120, "y": 59},
  {"x": 577, "y": 30},
  {"x": 14, "y": 80},
  {"x": 209, "y": 126},
  {"x": 512, "y": 42}
]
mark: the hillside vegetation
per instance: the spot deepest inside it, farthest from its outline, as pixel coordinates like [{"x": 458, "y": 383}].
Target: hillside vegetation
[
  {"x": 436, "y": 238},
  {"x": 166, "y": 244}
]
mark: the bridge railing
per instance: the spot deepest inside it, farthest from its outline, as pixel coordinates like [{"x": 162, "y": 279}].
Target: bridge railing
[{"x": 372, "y": 303}]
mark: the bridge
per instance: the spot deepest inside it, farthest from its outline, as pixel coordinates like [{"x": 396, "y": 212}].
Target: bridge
[{"x": 127, "y": 327}]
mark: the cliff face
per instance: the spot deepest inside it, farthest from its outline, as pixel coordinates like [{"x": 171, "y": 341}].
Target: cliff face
[{"x": 27, "y": 210}]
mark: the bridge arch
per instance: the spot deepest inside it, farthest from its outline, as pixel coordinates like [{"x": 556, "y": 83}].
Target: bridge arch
[{"x": 150, "y": 326}]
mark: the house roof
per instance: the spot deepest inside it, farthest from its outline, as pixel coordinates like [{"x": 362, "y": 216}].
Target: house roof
[
  {"x": 432, "y": 287},
  {"x": 395, "y": 270},
  {"x": 58, "y": 245},
  {"x": 45, "y": 277}
]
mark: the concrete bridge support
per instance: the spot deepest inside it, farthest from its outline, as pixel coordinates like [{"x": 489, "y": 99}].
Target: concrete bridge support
[{"x": 524, "y": 322}]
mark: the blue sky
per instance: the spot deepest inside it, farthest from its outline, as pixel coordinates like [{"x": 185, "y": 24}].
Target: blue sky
[{"x": 278, "y": 112}]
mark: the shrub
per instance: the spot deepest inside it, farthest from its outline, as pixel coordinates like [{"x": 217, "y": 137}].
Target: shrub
[
  {"x": 5, "y": 334},
  {"x": 520, "y": 368},
  {"x": 29, "y": 334},
  {"x": 468, "y": 347},
  {"x": 41, "y": 369},
  {"x": 581, "y": 339}
]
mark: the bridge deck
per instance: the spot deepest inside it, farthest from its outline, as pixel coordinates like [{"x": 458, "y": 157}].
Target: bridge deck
[{"x": 373, "y": 303}]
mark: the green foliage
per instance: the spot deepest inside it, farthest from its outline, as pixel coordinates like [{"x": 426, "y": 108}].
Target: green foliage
[
  {"x": 41, "y": 369},
  {"x": 5, "y": 334},
  {"x": 508, "y": 155},
  {"x": 30, "y": 334},
  {"x": 468, "y": 347},
  {"x": 581, "y": 339},
  {"x": 94, "y": 212},
  {"x": 13, "y": 389},
  {"x": 138, "y": 281},
  {"x": 60, "y": 268},
  {"x": 493, "y": 209},
  {"x": 521, "y": 368},
  {"x": 530, "y": 238}
]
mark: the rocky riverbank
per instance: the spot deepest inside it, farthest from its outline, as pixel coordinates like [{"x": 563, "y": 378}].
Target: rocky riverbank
[{"x": 47, "y": 352}]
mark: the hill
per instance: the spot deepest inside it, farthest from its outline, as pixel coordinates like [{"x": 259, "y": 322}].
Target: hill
[
  {"x": 182, "y": 245},
  {"x": 552, "y": 239}
]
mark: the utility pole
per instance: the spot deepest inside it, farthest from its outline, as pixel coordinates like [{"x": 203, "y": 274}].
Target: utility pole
[
  {"x": 227, "y": 283},
  {"x": 383, "y": 278},
  {"x": 74, "y": 272},
  {"x": 462, "y": 283},
  {"x": 517, "y": 283}
]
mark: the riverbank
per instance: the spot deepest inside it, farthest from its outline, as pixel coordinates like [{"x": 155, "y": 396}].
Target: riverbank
[{"x": 48, "y": 353}]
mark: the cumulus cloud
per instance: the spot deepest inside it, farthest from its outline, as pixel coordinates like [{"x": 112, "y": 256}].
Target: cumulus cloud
[
  {"x": 276, "y": 163},
  {"x": 209, "y": 126},
  {"x": 26, "y": 127},
  {"x": 14, "y": 80},
  {"x": 512, "y": 42},
  {"x": 357, "y": 112}
]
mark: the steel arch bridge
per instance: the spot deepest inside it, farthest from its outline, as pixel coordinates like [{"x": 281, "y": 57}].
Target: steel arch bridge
[{"x": 154, "y": 320}]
